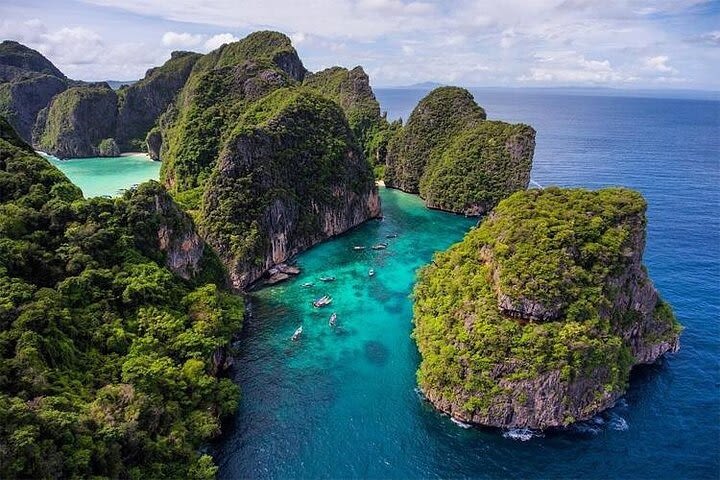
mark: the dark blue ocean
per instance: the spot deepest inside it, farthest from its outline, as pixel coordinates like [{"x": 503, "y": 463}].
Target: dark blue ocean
[{"x": 341, "y": 403}]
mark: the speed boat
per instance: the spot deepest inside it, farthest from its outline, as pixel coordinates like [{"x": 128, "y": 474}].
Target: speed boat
[{"x": 297, "y": 333}]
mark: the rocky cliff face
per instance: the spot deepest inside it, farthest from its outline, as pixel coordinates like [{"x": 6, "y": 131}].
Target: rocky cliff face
[
  {"x": 439, "y": 116},
  {"x": 161, "y": 226},
  {"x": 537, "y": 317},
  {"x": 456, "y": 159},
  {"x": 28, "y": 81},
  {"x": 256, "y": 214},
  {"x": 221, "y": 86},
  {"x": 77, "y": 121},
  {"x": 141, "y": 103}
]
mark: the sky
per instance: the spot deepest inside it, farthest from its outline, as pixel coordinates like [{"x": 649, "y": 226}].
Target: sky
[{"x": 633, "y": 44}]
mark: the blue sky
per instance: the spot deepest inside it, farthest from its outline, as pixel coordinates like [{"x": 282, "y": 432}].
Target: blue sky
[{"x": 623, "y": 43}]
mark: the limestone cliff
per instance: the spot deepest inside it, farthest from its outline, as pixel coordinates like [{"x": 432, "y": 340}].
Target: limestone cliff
[
  {"x": 443, "y": 113},
  {"x": 536, "y": 318},
  {"x": 291, "y": 176},
  {"x": 28, "y": 81},
  {"x": 141, "y": 103},
  {"x": 159, "y": 225},
  {"x": 221, "y": 86},
  {"x": 351, "y": 90},
  {"x": 267, "y": 165},
  {"x": 456, "y": 159},
  {"x": 77, "y": 120}
]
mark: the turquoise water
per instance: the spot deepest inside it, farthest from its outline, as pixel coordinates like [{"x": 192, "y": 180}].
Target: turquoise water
[
  {"x": 342, "y": 403},
  {"x": 330, "y": 394},
  {"x": 109, "y": 175}
]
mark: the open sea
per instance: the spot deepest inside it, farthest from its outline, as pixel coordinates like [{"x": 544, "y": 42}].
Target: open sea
[{"x": 341, "y": 403}]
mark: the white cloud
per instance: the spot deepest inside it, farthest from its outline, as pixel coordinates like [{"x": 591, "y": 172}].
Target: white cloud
[
  {"x": 571, "y": 67},
  {"x": 418, "y": 40},
  {"x": 182, "y": 40},
  {"x": 298, "y": 38},
  {"x": 217, "y": 40},
  {"x": 659, "y": 64},
  {"x": 712, "y": 38}
]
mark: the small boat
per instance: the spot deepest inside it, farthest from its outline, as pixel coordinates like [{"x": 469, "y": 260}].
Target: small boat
[
  {"x": 380, "y": 246},
  {"x": 333, "y": 319},
  {"x": 358, "y": 247},
  {"x": 327, "y": 279},
  {"x": 297, "y": 333},
  {"x": 391, "y": 235},
  {"x": 371, "y": 272},
  {"x": 308, "y": 284},
  {"x": 322, "y": 301}
]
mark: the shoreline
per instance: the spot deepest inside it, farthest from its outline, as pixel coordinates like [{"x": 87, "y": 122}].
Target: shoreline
[{"x": 136, "y": 154}]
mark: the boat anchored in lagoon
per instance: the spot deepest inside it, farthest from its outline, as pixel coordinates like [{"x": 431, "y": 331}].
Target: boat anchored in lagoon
[{"x": 322, "y": 301}]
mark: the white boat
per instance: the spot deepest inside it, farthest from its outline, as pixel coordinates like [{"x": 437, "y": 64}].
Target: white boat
[
  {"x": 327, "y": 279},
  {"x": 297, "y": 333},
  {"x": 322, "y": 301},
  {"x": 333, "y": 319},
  {"x": 380, "y": 246},
  {"x": 308, "y": 284},
  {"x": 391, "y": 235},
  {"x": 371, "y": 272},
  {"x": 358, "y": 247}
]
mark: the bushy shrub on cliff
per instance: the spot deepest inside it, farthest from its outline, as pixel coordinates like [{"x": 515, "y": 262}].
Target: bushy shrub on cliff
[
  {"x": 537, "y": 316},
  {"x": 107, "y": 359}
]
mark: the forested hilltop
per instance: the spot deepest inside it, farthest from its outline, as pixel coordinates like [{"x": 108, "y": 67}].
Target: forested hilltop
[
  {"x": 269, "y": 160},
  {"x": 455, "y": 158},
  {"x": 111, "y": 337},
  {"x": 536, "y": 318}
]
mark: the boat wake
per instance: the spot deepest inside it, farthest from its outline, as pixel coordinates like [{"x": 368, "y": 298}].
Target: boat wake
[
  {"x": 522, "y": 434},
  {"x": 460, "y": 424}
]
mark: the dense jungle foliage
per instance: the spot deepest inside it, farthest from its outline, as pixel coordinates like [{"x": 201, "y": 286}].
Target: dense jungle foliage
[
  {"x": 106, "y": 357},
  {"x": 555, "y": 245}
]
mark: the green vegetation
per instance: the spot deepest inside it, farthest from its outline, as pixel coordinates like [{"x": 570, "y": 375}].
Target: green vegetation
[
  {"x": 351, "y": 90},
  {"x": 221, "y": 86},
  {"x": 561, "y": 248},
  {"x": 454, "y": 158},
  {"x": 290, "y": 130},
  {"x": 108, "y": 148},
  {"x": 140, "y": 104},
  {"x": 479, "y": 167},
  {"x": 443, "y": 113},
  {"x": 106, "y": 357},
  {"x": 77, "y": 120}
]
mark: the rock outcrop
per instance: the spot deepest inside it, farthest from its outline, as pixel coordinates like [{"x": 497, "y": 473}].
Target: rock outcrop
[
  {"x": 77, "y": 121},
  {"x": 535, "y": 319},
  {"x": 456, "y": 159},
  {"x": 153, "y": 143},
  {"x": 267, "y": 164},
  {"x": 161, "y": 226},
  {"x": 28, "y": 81},
  {"x": 221, "y": 86},
  {"x": 291, "y": 176},
  {"x": 351, "y": 90},
  {"x": 30, "y": 88},
  {"x": 141, "y": 103}
]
